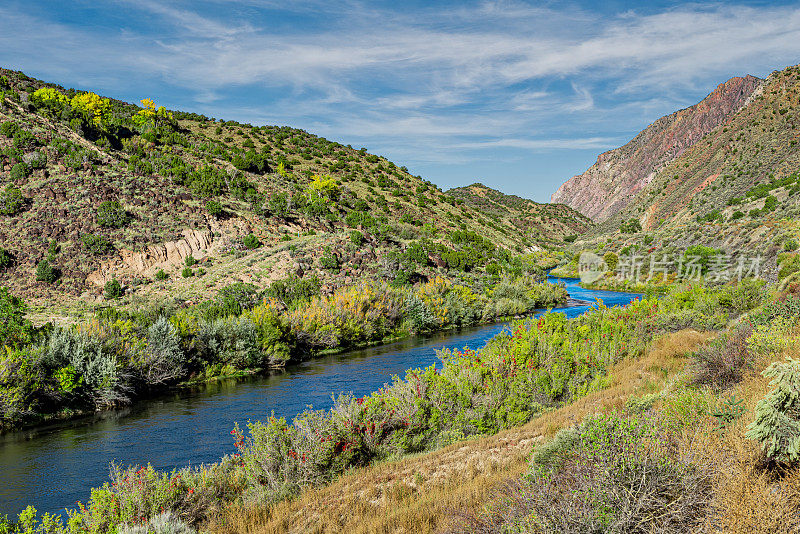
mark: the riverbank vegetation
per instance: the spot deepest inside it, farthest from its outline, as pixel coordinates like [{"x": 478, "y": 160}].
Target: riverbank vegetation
[
  {"x": 121, "y": 355},
  {"x": 541, "y": 365}
]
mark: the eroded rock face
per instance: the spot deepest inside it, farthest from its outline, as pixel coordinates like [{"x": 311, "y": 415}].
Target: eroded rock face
[
  {"x": 195, "y": 243},
  {"x": 610, "y": 184}
]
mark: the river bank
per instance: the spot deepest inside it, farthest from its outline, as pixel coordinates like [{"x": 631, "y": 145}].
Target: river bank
[
  {"x": 74, "y": 455},
  {"x": 120, "y": 357}
]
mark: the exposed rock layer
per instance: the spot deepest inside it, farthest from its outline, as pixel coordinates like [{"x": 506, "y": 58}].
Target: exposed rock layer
[{"x": 608, "y": 186}]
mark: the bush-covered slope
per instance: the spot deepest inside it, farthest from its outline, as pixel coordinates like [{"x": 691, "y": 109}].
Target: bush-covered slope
[
  {"x": 737, "y": 188},
  {"x": 547, "y": 223},
  {"x": 94, "y": 190}
]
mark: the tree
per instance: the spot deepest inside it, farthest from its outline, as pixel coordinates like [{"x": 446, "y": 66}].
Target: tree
[
  {"x": 11, "y": 200},
  {"x": 152, "y": 118},
  {"x": 49, "y": 99},
  {"x": 95, "y": 110},
  {"x": 111, "y": 214}
]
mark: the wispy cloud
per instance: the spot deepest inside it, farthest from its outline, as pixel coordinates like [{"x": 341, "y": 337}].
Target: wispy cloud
[{"x": 424, "y": 80}]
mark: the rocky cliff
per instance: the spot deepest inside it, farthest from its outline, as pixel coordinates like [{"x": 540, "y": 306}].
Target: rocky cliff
[{"x": 610, "y": 184}]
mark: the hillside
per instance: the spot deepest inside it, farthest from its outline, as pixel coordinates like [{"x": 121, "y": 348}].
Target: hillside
[
  {"x": 546, "y": 223},
  {"x": 735, "y": 188},
  {"x": 103, "y": 190},
  {"x": 618, "y": 175}
]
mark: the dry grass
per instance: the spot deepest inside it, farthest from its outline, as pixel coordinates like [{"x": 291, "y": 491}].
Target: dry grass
[{"x": 421, "y": 493}]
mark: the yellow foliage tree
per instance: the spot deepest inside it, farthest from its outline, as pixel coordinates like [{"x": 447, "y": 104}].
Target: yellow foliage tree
[
  {"x": 152, "y": 116},
  {"x": 49, "y": 98},
  {"x": 96, "y": 109},
  {"x": 323, "y": 186}
]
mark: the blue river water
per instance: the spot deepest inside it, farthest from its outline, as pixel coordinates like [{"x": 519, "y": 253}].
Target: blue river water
[{"x": 53, "y": 467}]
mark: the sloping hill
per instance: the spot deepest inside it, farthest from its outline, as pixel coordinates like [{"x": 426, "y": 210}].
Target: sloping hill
[
  {"x": 736, "y": 188},
  {"x": 546, "y": 223},
  {"x": 610, "y": 184},
  {"x": 103, "y": 190}
]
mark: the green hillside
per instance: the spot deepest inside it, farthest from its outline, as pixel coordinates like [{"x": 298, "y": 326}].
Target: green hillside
[{"x": 102, "y": 190}]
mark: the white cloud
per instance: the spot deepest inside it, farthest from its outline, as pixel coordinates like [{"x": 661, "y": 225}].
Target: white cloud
[{"x": 436, "y": 83}]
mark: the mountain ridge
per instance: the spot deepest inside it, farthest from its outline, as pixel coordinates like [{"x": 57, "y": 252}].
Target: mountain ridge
[{"x": 606, "y": 187}]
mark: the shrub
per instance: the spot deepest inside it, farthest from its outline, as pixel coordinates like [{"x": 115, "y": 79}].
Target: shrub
[
  {"x": 189, "y": 261},
  {"x": 165, "y": 523},
  {"x": 164, "y": 360},
  {"x": 279, "y": 205},
  {"x": 11, "y": 200},
  {"x": 46, "y": 272},
  {"x": 214, "y": 208},
  {"x": 112, "y": 290},
  {"x": 611, "y": 260},
  {"x": 329, "y": 260},
  {"x": 790, "y": 245},
  {"x": 187, "y": 272},
  {"x": 96, "y": 244},
  {"x": 630, "y": 226},
  {"x": 776, "y": 425},
  {"x": 9, "y": 128},
  {"x": 294, "y": 290},
  {"x": 235, "y": 298},
  {"x": 723, "y": 361},
  {"x": 617, "y": 475},
  {"x": 230, "y": 341},
  {"x": 6, "y": 258},
  {"x": 161, "y": 275},
  {"x": 356, "y": 238},
  {"x": 250, "y": 241},
  {"x": 20, "y": 171},
  {"x": 111, "y": 214}
]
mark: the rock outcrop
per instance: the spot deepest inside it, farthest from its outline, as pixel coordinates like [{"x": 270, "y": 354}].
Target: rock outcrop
[{"x": 609, "y": 185}]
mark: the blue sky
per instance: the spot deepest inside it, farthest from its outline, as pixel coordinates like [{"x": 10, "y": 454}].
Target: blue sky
[{"x": 518, "y": 95}]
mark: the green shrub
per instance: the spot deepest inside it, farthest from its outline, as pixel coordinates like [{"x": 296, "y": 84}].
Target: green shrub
[
  {"x": 251, "y": 241},
  {"x": 14, "y": 328},
  {"x": 630, "y": 226},
  {"x": 46, "y": 272},
  {"x": 6, "y": 258},
  {"x": 9, "y": 128},
  {"x": 611, "y": 260},
  {"x": 111, "y": 214},
  {"x": 790, "y": 245},
  {"x": 20, "y": 171},
  {"x": 96, "y": 244},
  {"x": 187, "y": 272},
  {"x": 294, "y": 290},
  {"x": 776, "y": 425},
  {"x": 356, "y": 238},
  {"x": 161, "y": 275},
  {"x": 112, "y": 290},
  {"x": 189, "y": 261},
  {"x": 279, "y": 205},
  {"x": 214, "y": 208},
  {"x": 11, "y": 200},
  {"x": 329, "y": 260},
  {"x": 618, "y": 475}
]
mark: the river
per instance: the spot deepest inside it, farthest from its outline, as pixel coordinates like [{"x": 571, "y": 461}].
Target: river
[{"x": 52, "y": 467}]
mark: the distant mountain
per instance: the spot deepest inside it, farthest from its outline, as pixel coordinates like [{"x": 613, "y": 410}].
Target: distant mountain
[
  {"x": 542, "y": 222},
  {"x": 610, "y": 185},
  {"x": 734, "y": 187}
]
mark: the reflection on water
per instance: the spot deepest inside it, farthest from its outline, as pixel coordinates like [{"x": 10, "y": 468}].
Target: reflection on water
[{"x": 53, "y": 467}]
